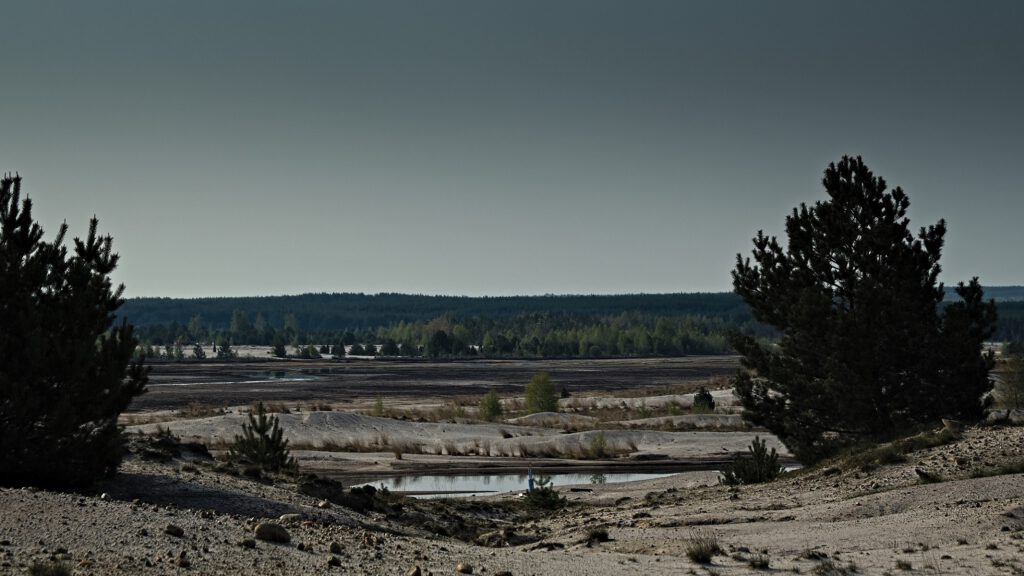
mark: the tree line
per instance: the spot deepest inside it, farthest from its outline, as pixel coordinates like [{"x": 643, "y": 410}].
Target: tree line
[{"x": 588, "y": 326}]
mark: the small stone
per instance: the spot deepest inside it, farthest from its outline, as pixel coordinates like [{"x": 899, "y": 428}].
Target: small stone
[
  {"x": 174, "y": 530},
  {"x": 104, "y": 496},
  {"x": 290, "y": 518},
  {"x": 271, "y": 532},
  {"x": 183, "y": 561},
  {"x": 334, "y": 561},
  {"x": 301, "y": 547},
  {"x": 503, "y": 573},
  {"x": 335, "y": 548},
  {"x": 248, "y": 543},
  {"x": 323, "y": 504},
  {"x": 414, "y": 571},
  {"x": 463, "y": 568}
]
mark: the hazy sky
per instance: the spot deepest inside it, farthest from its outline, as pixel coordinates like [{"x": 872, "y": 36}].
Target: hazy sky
[{"x": 476, "y": 147}]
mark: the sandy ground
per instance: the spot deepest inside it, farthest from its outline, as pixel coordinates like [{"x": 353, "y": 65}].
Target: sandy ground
[
  {"x": 831, "y": 517},
  {"x": 836, "y": 518}
]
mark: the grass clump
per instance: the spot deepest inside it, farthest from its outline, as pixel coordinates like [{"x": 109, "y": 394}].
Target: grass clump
[
  {"x": 1016, "y": 467},
  {"x": 830, "y": 568},
  {"x": 51, "y": 569},
  {"x": 760, "y": 466},
  {"x": 895, "y": 452},
  {"x": 702, "y": 546}
]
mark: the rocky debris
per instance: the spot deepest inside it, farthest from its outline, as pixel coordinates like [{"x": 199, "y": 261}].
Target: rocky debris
[
  {"x": 336, "y": 548},
  {"x": 248, "y": 543},
  {"x": 183, "y": 561},
  {"x": 323, "y": 504},
  {"x": 290, "y": 518},
  {"x": 270, "y": 532},
  {"x": 463, "y": 568},
  {"x": 174, "y": 530},
  {"x": 334, "y": 562}
]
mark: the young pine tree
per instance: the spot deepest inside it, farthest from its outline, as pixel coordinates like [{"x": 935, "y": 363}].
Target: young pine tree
[
  {"x": 65, "y": 368},
  {"x": 262, "y": 443}
]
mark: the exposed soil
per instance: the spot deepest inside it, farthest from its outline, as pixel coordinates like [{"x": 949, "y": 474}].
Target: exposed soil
[{"x": 174, "y": 386}]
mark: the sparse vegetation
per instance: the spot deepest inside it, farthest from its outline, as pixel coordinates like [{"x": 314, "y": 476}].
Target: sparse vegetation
[
  {"x": 702, "y": 546},
  {"x": 490, "y": 407},
  {"x": 871, "y": 457},
  {"x": 760, "y": 466},
  {"x": 598, "y": 447},
  {"x": 378, "y": 407},
  {"x": 541, "y": 395},
  {"x": 262, "y": 443},
  {"x": 544, "y": 496},
  {"x": 49, "y": 569}
]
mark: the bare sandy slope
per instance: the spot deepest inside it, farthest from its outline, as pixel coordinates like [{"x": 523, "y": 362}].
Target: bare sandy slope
[
  {"x": 885, "y": 520},
  {"x": 346, "y": 442}
]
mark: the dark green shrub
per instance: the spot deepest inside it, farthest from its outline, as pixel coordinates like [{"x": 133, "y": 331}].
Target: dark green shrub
[
  {"x": 703, "y": 401},
  {"x": 758, "y": 467},
  {"x": 543, "y": 496},
  {"x": 262, "y": 443}
]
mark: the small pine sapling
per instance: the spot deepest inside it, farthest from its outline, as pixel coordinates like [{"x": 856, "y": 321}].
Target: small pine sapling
[
  {"x": 760, "y": 466},
  {"x": 262, "y": 443}
]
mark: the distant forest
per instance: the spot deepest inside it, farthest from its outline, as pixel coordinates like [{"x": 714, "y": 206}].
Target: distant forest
[{"x": 514, "y": 326}]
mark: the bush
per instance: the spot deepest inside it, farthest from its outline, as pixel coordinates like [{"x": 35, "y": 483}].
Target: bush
[
  {"x": 262, "y": 443},
  {"x": 541, "y": 395},
  {"x": 703, "y": 401},
  {"x": 598, "y": 447},
  {"x": 759, "y": 467},
  {"x": 66, "y": 372},
  {"x": 490, "y": 407},
  {"x": 543, "y": 496}
]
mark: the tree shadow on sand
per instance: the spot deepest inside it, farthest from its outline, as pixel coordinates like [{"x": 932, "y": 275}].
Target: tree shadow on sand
[{"x": 169, "y": 491}]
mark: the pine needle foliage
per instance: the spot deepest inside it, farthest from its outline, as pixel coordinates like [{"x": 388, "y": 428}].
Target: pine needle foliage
[
  {"x": 760, "y": 466},
  {"x": 66, "y": 370},
  {"x": 703, "y": 401},
  {"x": 868, "y": 350},
  {"x": 262, "y": 443}
]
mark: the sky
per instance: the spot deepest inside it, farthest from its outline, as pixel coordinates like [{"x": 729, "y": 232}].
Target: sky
[{"x": 495, "y": 148}]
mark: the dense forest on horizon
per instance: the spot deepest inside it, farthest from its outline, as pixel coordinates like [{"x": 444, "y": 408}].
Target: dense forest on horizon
[{"x": 541, "y": 326}]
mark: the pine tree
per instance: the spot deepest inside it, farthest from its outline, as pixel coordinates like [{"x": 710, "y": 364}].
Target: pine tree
[
  {"x": 262, "y": 443},
  {"x": 867, "y": 352},
  {"x": 65, "y": 369}
]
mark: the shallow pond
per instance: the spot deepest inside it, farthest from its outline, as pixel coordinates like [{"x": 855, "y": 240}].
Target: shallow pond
[{"x": 448, "y": 486}]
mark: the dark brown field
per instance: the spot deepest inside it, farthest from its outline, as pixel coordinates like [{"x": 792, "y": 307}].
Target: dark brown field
[{"x": 174, "y": 386}]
